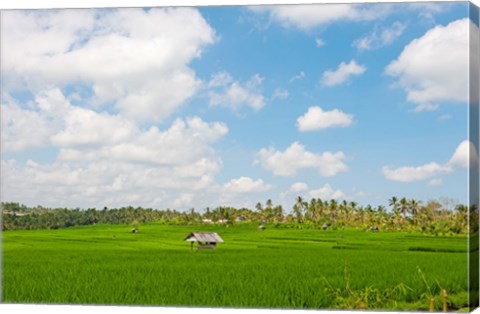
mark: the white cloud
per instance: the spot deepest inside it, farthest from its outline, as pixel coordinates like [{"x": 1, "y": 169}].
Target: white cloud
[
  {"x": 103, "y": 159},
  {"x": 319, "y": 42},
  {"x": 246, "y": 185},
  {"x": 298, "y": 187},
  {"x": 317, "y": 119},
  {"x": 298, "y": 76},
  {"x": 464, "y": 154},
  {"x": 184, "y": 142},
  {"x": 380, "y": 37},
  {"x": 21, "y": 128},
  {"x": 100, "y": 49},
  {"x": 435, "y": 182},
  {"x": 240, "y": 192},
  {"x": 232, "y": 94},
  {"x": 107, "y": 182},
  {"x": 460, "y": 159},
  {"x": 306, "y": 17},
  {"x": 86, "y": 127},
  {"x": 280, "y": 94},
  {"x": 444, "y": 117},
  {"x": 295, "y": 158},
  {"x": 220, "y": 79},
  {"x": 84, "y": 134},
  {"x": 427, "y": 10},
  {"x": 326, "y": 193},
  {"x": 343, "y": 73},
  {"x": 185, "y": 199},
  {"x": 409, "y": 174},
  {"x": 417, "y": 68}
]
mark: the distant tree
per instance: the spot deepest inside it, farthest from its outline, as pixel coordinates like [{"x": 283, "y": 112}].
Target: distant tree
[
  {"x": 404, "y": 206},
  {"x": 298, "y": 209}
]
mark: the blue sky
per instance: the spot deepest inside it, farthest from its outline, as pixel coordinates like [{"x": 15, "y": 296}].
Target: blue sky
[{"x": 208, "y": 106}]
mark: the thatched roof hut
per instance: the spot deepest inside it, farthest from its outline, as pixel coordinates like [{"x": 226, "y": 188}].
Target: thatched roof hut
[{"x": 206, "y": 240}]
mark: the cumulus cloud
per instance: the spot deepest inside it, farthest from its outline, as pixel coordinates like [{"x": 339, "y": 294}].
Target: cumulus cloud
[
  {"x": 409, "y": 174},
  {"x": 298, "y": 187},
  {"x": 418, "y": 72},
  {"x": 343, "y": 73},
  {"x": 101, "y": 183},
  {"x": 184, "y": 142},
  {"x": 226, "y": 92},
  {"x": 317, "y": 119},
  {"x": 435, "y": 182},
  {"x": 326, "y": 192},
  {"x": 84, "y": 134},
  {"x": 240, "y": 192},
  {"x": 380, "y": 37},
  {"x": 246, "y": 185},
  {"x": 100, "y": 49},
  {"x": 22, "y": 129},
  {"x": 460, "y": 159},
  {"x": 106, "y": 182},
  {"x": 104, "y": 159},
  {"x": 307, "y": 17},
  {"x": 296, "y": 157},
  {"x": 185, "y": 199},
  {"x": 464, "y": 155}
]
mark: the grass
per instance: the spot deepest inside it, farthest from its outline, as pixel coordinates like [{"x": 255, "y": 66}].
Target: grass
[{"x": 274, "y": 268}]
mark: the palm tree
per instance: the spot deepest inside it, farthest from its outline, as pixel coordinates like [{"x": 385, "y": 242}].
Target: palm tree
[
  {"x": 298, "y": 208},
  {"x": 462, "y": 216},
  {"x": 333, "y": 210},
  {"x": 278, "y": 213},
  {"x": 394, "y": 203},
  {"x": 268, "y": 210},
  {"x": 312, "y": 210},
  {"x": 320, "y": 208},
  {"x": 414, "y": 206},
  {"x": 269, "y": 203},
  {"x": 404, "y": 206},
  {"x": 259, "y": 207}
]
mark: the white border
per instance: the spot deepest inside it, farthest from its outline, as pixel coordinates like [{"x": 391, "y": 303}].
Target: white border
[
  {"x": 46, "y": 4},
  {"x": 79, "y": 309}
]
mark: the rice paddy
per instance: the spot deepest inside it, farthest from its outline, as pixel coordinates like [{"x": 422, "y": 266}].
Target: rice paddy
[{"x": 279, "y": 267}]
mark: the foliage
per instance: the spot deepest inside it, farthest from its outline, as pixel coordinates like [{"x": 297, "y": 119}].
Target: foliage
[{"x": 406, "y": 214}]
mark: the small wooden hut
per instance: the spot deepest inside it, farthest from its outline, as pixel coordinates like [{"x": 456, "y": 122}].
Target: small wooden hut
[{"x": 206, "y": 240}]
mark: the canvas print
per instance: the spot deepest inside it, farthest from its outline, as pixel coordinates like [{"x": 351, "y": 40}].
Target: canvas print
[{"x": 315, "y": 156}]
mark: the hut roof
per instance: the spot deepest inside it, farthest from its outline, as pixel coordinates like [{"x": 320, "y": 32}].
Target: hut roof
[{"x": 203, "y": 237}]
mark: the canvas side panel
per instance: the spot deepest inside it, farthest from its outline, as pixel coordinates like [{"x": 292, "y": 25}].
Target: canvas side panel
[{"x": 474, "y": 88}]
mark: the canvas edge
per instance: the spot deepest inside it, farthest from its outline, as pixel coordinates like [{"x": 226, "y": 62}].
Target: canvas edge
[{"x": 474, "y": 98}]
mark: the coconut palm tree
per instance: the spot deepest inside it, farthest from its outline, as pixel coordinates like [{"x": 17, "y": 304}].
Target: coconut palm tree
[
  {"x": 312, "y": 210},
  {"x": 394, "y": 203},
  {"x": 414, "y": 206},
  {"x": 298, "y": 209},
  {"x": 404, "y": 206}
]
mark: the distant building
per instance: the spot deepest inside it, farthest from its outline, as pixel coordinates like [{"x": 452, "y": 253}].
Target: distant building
[
  {"x": 14, "y": 214},
  {"x": 206, "y": 240}
]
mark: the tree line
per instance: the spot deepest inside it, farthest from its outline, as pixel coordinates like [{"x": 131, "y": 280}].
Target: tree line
[{"x": 402, "y": 214}]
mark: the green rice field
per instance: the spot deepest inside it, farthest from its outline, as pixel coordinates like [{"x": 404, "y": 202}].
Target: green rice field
[{"x": 275, "y": 268}]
